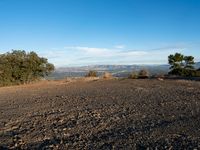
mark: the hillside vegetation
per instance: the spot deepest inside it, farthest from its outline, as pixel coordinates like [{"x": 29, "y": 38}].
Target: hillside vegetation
[
  {"x": 182, "y": 65},
  {"x": 19, "y": 67}
]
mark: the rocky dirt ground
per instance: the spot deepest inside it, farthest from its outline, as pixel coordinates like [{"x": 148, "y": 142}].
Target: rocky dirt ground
[{"x": 101, "y": 114}]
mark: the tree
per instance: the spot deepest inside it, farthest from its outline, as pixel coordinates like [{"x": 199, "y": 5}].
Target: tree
[
  {"x": 20, "y": 67},
  {"x": 189, "y": 62},
  {"x": 176, "y": 61},
  {"x": 182, "y": 65}
]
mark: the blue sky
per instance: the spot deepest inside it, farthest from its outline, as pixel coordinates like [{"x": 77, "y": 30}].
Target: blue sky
[{"x": 88, "y": 32}]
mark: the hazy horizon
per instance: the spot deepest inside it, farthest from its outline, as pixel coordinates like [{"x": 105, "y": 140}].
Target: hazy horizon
[{"x": 71, "y": 66}]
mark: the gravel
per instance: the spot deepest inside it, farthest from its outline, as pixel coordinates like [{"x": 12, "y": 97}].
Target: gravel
[{"x": 101, "y": 114}]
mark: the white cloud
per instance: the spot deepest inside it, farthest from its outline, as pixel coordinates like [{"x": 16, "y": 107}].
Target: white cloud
[
  {"x": 81, "y": 55},
  {"x": 89, "y": 50},
  {"x": 105, "y": 52}
]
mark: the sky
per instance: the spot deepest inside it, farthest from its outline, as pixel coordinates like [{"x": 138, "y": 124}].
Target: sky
[{"x": 91, "y": 32}]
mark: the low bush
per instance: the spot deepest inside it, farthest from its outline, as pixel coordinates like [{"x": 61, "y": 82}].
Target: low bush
[
  {"x": 107, "y": 75},
  {"x": 91, "y": 74},
  {"x": 185, "y": 72},
  {"x": 143, "y": 74},
  {"x": 133, "y": 75}
]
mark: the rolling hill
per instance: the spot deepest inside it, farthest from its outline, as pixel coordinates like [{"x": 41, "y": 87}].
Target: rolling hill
[{"x": 116, "y": 70}]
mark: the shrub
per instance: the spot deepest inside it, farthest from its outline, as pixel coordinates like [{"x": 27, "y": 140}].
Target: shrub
[
  {"x": 185, "y": 72},
  {"x": 143, "y": 74},
  {"x": 133, "y": 75},
  {"x": 107, "y": 75},
  {"x": 91, "y": 74},
  {"x": 196, "y": 73}
]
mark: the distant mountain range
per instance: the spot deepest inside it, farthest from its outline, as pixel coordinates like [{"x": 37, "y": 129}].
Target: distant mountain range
[
  {"x": 103, "y": 68},
  {"x": 116, "y": 70},
  {"x": 197, "y": 65}
]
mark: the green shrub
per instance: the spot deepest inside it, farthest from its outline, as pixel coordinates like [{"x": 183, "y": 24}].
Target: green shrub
[
  {"x": 92, "y": 74},
  {"x": 195, "y": 73},
  {"x": 143, "y": 74},
  {"x": 185, "y": 72},
  {"x": 133, "y": 75}
]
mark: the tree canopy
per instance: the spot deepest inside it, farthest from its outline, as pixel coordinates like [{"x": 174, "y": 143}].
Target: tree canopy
[
  {"x": 180, "y": 61},
  {"x": 182, "y": 65},
  {"x": 176, "y": 60},
  {"x": 20, "y": 67},
  {"x": 189, "y": 62}
]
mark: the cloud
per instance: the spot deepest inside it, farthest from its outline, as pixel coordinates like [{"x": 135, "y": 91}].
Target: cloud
[
  {"x": 90, "y": 50},
  {"x": 104, "y": 52},
  {"x": 82, "y": 55}
]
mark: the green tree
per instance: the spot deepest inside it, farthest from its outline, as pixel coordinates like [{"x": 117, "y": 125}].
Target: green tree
[
  {"x": 20, "y": 67},
  {"x": 182, "y": 65},
  {"x": 189, "y": 62},
  {"x": 176, "y": 61}
]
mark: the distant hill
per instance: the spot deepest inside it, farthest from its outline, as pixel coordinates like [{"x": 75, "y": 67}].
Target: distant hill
[
  {"x": 116, "y": 70},
  {"x": 197, "y": 65},
  {"x": 103, "y": 68}
]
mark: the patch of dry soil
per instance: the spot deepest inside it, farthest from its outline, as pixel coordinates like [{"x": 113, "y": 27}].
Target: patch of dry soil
[{"x": 103, "y": 114}]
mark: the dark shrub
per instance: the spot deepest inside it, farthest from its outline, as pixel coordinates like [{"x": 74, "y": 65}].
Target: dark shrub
[
  {"x": 91, "y": 74},
  {"x": 143, "y": 74},
  {"x": 185, "y": 72},
  {"x": 196, "y": 73},
  {"x": 133, "y": 75}
]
